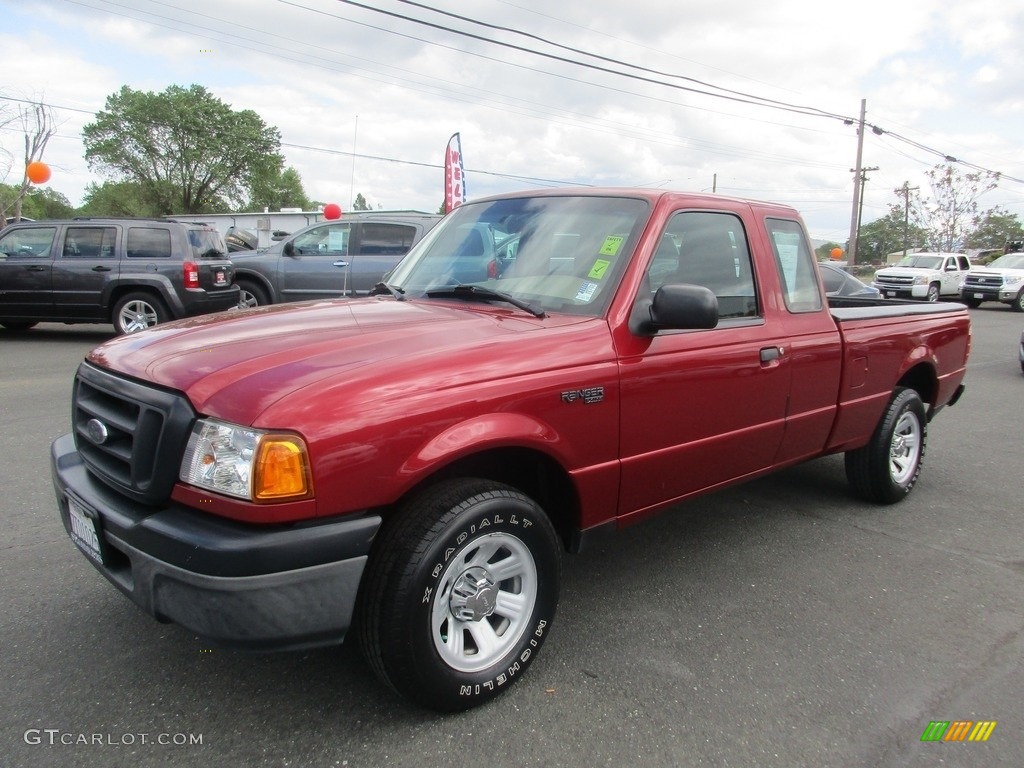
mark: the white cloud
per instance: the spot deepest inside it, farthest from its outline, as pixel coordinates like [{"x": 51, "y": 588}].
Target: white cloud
[{"x": 930, "y": 72}]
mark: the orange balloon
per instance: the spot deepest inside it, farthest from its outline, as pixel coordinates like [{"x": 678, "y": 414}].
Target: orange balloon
[
  {"x": 837, "y": 253},
  {"x": 37, "y": 172}
]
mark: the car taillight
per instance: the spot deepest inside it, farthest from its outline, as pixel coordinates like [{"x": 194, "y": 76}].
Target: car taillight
[{"x": 191, "y": 274}]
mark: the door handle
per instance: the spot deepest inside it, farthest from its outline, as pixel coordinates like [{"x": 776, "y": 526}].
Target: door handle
[
  {"x": 340, "y": 264},
  {"x": 35, "y": 268},
  {"x": 100, "y": 268},
  {"x": 770, "y": 354}
]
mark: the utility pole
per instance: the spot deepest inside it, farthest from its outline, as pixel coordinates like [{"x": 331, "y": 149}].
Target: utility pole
[
  {"x": 861, "y": 181},
  {"x": 905, "y": 190},
  {"x": 854, "y": 212}
]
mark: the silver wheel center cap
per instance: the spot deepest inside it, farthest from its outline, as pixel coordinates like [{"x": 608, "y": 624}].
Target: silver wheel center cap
[{"x": 474, "y": 595}]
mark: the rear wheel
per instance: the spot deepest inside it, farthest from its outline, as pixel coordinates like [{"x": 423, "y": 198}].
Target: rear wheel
[
  {"x": 886, "y": 469},
  {"x": 135, "y": 312},
  {"x": 459, "y": 593},
  {"x": 251, "y": 294},
  {"x": 18, "y": 325},
  {"x": 933, "y": 292}
]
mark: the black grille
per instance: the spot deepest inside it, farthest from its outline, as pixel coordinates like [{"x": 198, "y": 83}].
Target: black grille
[{"x": 137, "y": 436}]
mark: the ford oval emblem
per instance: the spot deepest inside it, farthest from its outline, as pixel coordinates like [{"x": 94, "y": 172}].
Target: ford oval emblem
[{"x": 97, "y": 431}]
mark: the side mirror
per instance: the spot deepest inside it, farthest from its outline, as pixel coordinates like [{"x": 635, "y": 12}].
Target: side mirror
[
  {"x": 677, "y": 307},
  {"x": 289, "y": 248}
]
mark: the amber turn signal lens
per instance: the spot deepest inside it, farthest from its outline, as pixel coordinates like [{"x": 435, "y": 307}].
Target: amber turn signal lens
[{"x": 281, "y": 470}]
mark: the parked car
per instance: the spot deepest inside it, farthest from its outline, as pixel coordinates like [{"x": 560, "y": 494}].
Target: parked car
[
  {"x": 330, "y": 259},
  {"x": 839, "y": 282},
  {"x": 410, "y": 464},
  {"x": 133, "y": 273},
  {"x": 1002, "y": 280},
  {"x": 928, "y": 276}
]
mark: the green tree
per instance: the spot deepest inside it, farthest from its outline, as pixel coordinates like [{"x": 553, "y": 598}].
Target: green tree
[
  {"x": 274, "y": 189},
  {"x": 993, "y": 229},
  {"x": 889, "y": 234},
  {"x": 824, "y": 251},
  {"x": 188, "y": 150},
  {"x": 948, "y": 215},
  {"x": 359, "y": 204},
  {"x": 118, "y": 198}
]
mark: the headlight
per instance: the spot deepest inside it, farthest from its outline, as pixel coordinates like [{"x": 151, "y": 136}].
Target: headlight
[
  {"x": 921, "y": 280},
  {"x": 247, "y": 463},
  {"x": 1012, "y": 279}
]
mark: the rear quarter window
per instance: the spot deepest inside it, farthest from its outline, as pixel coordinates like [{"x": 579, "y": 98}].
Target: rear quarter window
[
  {"x": 796, "y": 266},
  {"x": 148, "y": 243}
]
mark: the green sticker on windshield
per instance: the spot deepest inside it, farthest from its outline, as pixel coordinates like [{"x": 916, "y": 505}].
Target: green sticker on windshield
[
  {"x": 611, "y": 246},
  {"x": 600, "y": 267}
]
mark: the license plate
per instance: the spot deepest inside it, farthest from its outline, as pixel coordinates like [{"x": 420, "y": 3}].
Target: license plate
[
  {"x": 979, "y": 295},
  {"x": 219, "y": 279},
  {"x": 890, "y": 294},
  {"x": 84, "y": 531}
]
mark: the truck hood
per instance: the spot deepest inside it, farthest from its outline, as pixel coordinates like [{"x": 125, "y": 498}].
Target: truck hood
[
  {"x": 905, "y": 272},
  {"x": 236, "y": 364}
]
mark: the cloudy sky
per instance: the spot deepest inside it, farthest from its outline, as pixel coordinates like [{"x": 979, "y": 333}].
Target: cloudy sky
[{"x": 746, "y": 98}]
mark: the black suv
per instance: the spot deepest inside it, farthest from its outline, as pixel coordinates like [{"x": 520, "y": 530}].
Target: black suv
[
  {"x": 133, "y": 273},
  {"x": 329, "y": 259}
]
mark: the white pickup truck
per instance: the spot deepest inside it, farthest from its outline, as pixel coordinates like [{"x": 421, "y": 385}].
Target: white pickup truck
[
  {"x": 928, "y": 276},
  {"x": 1002, "y": 280}
]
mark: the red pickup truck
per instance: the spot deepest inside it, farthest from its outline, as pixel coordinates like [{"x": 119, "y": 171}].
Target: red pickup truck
[{"x": 542, "y": 367}]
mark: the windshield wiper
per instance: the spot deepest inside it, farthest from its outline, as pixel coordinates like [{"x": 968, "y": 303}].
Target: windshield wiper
[
  {"x": 381, "y": 288},
  {"x": 479, "y": 291},
  {"x": 211, "y": 253}
]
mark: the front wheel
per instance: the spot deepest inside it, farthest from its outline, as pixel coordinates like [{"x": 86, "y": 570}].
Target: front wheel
[
  {"x": 17, "y": 325},
  {"x": 886, "y": 469},
  {"x": 1018, "y": 302},
  {"x": 971, "y": 303},
  {"x": 135, "y": 312},
  {"x": 933, "y": 293},
  {"x": 459, "y": 593}
]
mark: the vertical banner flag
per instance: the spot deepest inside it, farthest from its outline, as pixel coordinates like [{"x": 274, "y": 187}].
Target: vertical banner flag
[{"x": 454, "y": 175}]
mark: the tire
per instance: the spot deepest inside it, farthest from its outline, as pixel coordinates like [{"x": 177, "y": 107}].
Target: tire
[
  {"x": 1018, "y": 302},
  {"x": 971, "y": 303},
  {"x": 886, "y": 469},
  {"x": 18, "y": 325},
  {"x": 933, "y": 293},
  {"x": 251, "y": 294},
  {"x": 436, "y": 621},
  {"x": 135, "y": 312}
]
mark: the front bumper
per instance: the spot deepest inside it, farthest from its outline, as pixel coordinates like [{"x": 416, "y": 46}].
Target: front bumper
[
  {"x": 902, "y": 291},
  {"x": 245, "y": 586}
]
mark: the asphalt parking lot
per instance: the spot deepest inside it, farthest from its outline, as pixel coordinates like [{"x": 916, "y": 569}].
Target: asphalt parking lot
[{"x": 780, "y": 623}]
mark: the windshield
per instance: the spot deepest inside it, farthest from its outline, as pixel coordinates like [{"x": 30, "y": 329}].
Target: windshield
[
  {"x": 921, "y": 261},
  {"x": 206, "y": 243},
  {"x": 558, "y": 254},
  {"x": 1009, "y": 261}
]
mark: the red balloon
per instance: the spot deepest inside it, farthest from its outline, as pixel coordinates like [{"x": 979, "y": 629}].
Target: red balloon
[
  {"x": 332, "y": 211},
  {"x": 37, "y": 172}
]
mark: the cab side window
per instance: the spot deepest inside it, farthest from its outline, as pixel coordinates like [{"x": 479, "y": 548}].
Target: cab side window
[
  {"x": 795, "y": 264},
  {"x": 90, "y": 243},
  {"x": 330, "y": 238},
  {"x": 707, "y": 249},
  {"x": 30, "y": 242}
]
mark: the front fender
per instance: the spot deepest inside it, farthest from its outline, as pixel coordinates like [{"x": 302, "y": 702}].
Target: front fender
[{"x": 481, "y": 433}]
